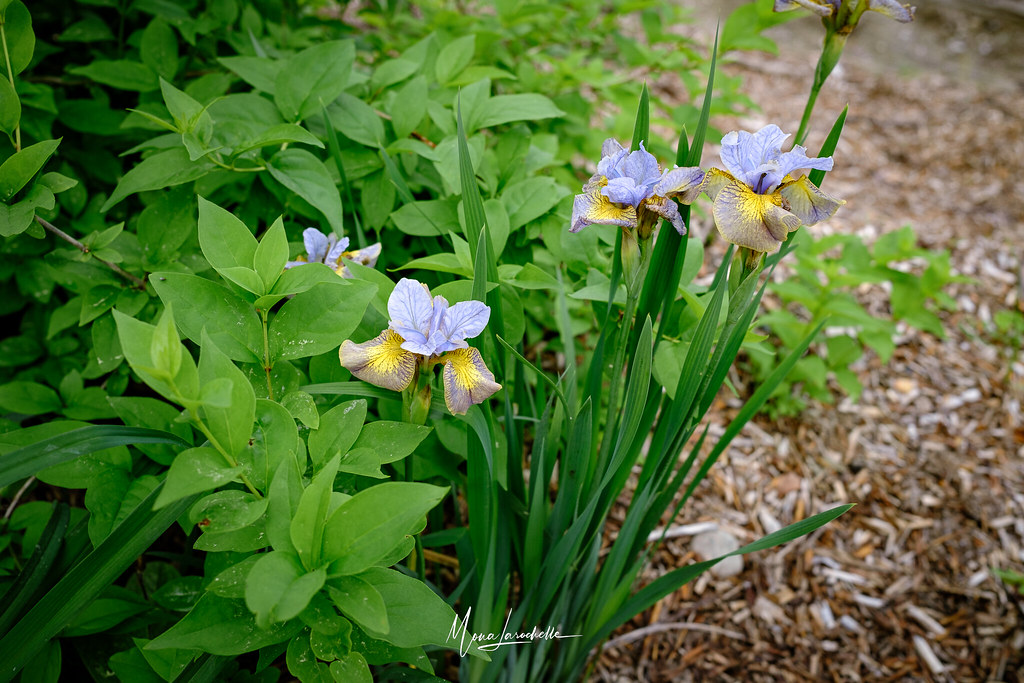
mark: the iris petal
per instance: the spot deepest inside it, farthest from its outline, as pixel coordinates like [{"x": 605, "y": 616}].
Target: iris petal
[
  {"x": 593, "y": 208},
  {"x": 367, "y": 256},
  {"x": 683, "y": 183},
  {"x": 747, "y": 219},
  {"x": 715, "y": 180},
  {"x": 807, "y": 202},
  {"x": 467, "y": 381},
  {"x": 381, "y": 361},
  {"x": 462, "y": 321},
  {"x": 892, "y": 9},
  {"x": 823, "y": 9},
  {"x": 667, "y": 209},
  {"x": 411, "y": 311},
  {"x": 316, "y": 244}
]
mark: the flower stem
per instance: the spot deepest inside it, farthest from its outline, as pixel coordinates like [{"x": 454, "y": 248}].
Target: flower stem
[
  {"x": 831, "y": 51},
  {"x": 136, "y": 282},
  {"x": 220, "y": 449},
  {"x": 10, "y": 77}
]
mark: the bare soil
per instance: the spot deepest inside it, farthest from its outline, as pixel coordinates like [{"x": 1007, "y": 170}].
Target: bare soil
[{"x": 901, "y": 588}]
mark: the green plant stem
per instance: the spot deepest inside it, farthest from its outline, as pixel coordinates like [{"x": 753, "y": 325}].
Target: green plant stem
[
  {"x": 220, "y": 449},
  {"x": 831, "y": 51},
  {"x": 138, "y": 283},
  {"x": 232, "y": 167},
  {"x": 266, "y": 354},
  {"x": 10, "y": 77}
]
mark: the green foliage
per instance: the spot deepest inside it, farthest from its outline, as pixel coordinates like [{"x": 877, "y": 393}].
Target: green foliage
[
  {"x": 827, "y": 274},
  {"x": 170, "y": 353}
]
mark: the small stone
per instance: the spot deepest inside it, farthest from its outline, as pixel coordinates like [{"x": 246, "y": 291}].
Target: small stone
[
  {"x": 712, "y": 544},
  {"x": 904, "y": 385}
]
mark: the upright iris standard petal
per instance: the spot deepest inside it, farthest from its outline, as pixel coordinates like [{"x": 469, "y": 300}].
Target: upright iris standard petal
[
  {"x": 337, "y": 248},
  {"x": 381, "y": 361},
  {"x": 467, "y": 381},
  {"x": 629, "y": 187},
  {"x": 411, "y": 311},
  {"x": 316, "y": 244},
  {"x": 462, "y": 321}
]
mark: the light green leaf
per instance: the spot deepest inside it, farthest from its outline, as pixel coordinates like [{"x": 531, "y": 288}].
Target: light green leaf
[
  {"x": 159, "y": 49},
  {"x": 307, "y": 525},
  {"x": 278, "y": 135},
  {"x": 10, "y": 107},
  {"x": 223, "y": 627},
  {"x": 366, "y": 527},
  {"x": 20, "y": 39},
  {"x": 391, "y": 441},
  {"x": 202, "y": 304},
  {"x": 259, "y": 72},
  {"x": 278, "y": 589},
  {"x": 306, "y": 176},
  {"x": 521, "y": 107},
  {"x": 357, "y": 121},
  {"x": 339, "y": 429},
  {"x": 409, "y": 107},
  {"x": 164, "y": 169},
  {"x": 123, "y": 74},
  {"x": 428, "y": 218},
  {"x": 19, "y": 168},
  {"x": 319, "y": 319},
  {"x": 194, "y": 471},
  {"x": 453, "y": 58},
  {"x": 225, "y": 240},
  {"x": 313, "y": 77},
  {"x": 271, "y": 255},
  {"x": 231, "y": 425},
  {"x": 28, "y": 398}
]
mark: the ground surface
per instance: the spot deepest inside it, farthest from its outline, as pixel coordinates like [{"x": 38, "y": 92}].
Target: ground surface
[{"x": 900, "y": 588}]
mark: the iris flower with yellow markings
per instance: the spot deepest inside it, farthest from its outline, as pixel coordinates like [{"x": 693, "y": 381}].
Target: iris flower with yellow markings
[
  {"x": 852, "y": 11},
  {"x": 630, "y": 190},
  {"x": 330, "y": 251},
  {"x": 423, "y": 332},
  {"x": 757, "y": 201}
]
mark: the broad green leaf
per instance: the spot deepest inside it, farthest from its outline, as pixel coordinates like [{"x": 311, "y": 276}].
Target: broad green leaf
[
  {"x": 20, "y": 39},
  {"x": 357, "y": 121},
  {"x": 319, "y": 319},
  {"x": 10, "y": 107},
  {"x": 159, "y": 49},
  {"x": 428, "y": 217},
  {"x": 409, "y": 107},
  {"x": 307, "y": 527},
  {"x": 302, "y": 407},
  {"x": 227, "y": 511},
  {"x": 530, "y": 199},
  {"x": 28, "y": 398},
  {"x": 275, "y": 439},
  {"x": 259, "y": 72},
  {"x": 360, "y": 601},
  {"x": 18, "y": 218},
  {"x": 416, "y": 615},
  {"x": 521, "y": 107},
  {"x": 278, "y": 588},
  {"x": 391, "y": 441},
  {"x": 20, "y": 167},
  {"x": 393, "y": 71},
  {"x": 123, "y": 74},
  {"x": 312, "y": 78},
  {"x": 225, "y": 240},
  {"x": 275, "y": 136},
  {"x": 453, "y": 58},
  {"x": 202, "y": 304},
  {"x": 339, "y": 429},
  {"x": 282, "y": 504},
  {"x": 231, "y": 425},
  {"x": 194, "y": 471},
  {"x": 306, "y": 176},
  {"x": 184, "y": 109},
  {"x": 351, "y": 668},
  {"x": 164, "y": 169},
  {"x": 223, "y": 627},
  {"x": 367, "y": 526},
  {"x": 271, "y": 254}
]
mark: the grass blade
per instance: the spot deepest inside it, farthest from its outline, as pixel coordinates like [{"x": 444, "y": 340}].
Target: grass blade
[
  {"x": 38, "y": 565},
  {"x": 26, "y": 461},
  {"x": 829, "y": 146}
]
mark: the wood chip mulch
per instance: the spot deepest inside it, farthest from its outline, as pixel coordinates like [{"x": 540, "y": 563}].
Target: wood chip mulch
[{"x": 900, "y": 588}]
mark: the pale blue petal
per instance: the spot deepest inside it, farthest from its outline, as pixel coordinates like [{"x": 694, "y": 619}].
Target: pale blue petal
[
  {"x": 892, "y": 9},
  {"x": 336, "y": 250},
  {"x": 411, "y": 311},
  {"x": 626, "y": 191},
  {"x": 462, "y": 321},
  {"x": 642, "y": 167},
  {"x": 611, "y": 166},
  {"x": 797, "y": 159},
  {"x": 316, "y": 245}
]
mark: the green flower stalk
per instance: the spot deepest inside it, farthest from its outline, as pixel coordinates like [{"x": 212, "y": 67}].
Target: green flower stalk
[{"x": 839, "y": 17}]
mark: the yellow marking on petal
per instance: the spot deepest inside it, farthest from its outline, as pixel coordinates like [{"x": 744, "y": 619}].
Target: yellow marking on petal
[
  {"x": 467, "y": 381},
  {"x": 593, "y": 208},
  {"x": 714, "y": 180},
  {"x": 810, "y": 204},
  {"x": 381, "y": 361},
  {"x": 748, "y": 219}
]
